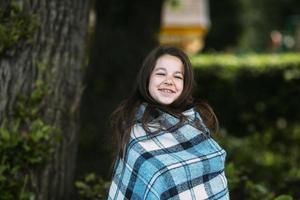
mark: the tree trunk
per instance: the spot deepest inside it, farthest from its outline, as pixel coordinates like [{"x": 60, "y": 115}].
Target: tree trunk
[
  {"x": 125, "y": 32},
  {"x": 53, "y": 53}
]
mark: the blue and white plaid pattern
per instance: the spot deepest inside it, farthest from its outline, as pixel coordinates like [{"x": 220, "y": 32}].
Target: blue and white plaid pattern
[{"x": 179, "y": 164}]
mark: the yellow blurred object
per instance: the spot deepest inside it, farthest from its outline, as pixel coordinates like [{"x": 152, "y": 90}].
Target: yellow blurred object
[{"x": 185, "y": 25}]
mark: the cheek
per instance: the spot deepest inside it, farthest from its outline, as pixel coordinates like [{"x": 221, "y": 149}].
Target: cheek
[
  {"x": 180, "y": 86},
  {"x": 154, "y": 82},
  {"x": 151, "y": 86}
]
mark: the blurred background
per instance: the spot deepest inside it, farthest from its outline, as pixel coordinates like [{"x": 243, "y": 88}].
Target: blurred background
[
  {"x": 246, "y": 57},
  {"x": 66, "y": 65}
]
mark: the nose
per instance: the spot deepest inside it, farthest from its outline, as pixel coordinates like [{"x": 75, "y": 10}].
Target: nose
[{"x": 168, "y": 81}]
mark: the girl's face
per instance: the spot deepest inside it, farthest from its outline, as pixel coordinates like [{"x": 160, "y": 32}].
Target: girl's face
[{"x": 166, "y": 79}]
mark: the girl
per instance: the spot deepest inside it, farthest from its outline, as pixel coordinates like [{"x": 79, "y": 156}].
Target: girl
[{"x": 165, "y": 148}]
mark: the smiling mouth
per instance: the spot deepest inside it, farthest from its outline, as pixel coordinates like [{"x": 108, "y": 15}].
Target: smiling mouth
[{"x": 166, "y": 90}]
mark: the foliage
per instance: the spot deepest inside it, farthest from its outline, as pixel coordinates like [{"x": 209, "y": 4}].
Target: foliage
[
  {"x": 258, "y": 169},
  {"x": 92, "y": 187},
  {"x": 256, "y": 98},
  {"x": 231, "y": 62},
  {"x": 21, "y": 151},
  {"x": 16, "y": 26},
  {"x": 26, "y": 142},
  {"x": 259, "y": 91}
]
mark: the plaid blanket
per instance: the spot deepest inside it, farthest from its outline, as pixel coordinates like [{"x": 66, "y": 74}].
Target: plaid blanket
[{"x": 179, "y": 162}]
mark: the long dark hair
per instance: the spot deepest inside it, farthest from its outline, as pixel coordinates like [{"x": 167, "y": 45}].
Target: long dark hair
[{"x": 123, "y": 118}]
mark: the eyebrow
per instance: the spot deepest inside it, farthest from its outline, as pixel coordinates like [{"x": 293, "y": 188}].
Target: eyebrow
[{"x": 161, "y": 68}]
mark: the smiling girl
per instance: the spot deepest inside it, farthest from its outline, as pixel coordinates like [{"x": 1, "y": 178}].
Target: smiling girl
[{"x": 165, "y": 149}]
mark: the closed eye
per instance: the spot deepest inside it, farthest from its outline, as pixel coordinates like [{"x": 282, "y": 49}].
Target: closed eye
[
  {"x": 160, "y": 74},
  {"x": 178, "y": 77}
]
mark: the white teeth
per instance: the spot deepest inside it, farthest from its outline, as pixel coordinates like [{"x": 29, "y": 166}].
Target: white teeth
[{"x": 166, "y": 90}]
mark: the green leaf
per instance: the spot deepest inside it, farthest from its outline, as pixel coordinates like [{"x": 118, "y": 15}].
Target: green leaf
[
  {"x": 284, "y": 197},
  {"x": 90, "y": 177},
  {"x": 80, "y": 184},
  {"x": 5, "y": 135}
]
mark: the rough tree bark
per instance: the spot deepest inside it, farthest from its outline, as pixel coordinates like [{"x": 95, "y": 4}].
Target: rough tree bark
[{"x": 57, "y": 45}]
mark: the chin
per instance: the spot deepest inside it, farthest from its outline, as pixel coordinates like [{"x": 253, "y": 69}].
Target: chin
[{"x": 166, "y": 102}]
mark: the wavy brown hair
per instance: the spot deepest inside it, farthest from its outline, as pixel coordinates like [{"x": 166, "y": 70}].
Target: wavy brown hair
[{"x": 123, "y": 118}]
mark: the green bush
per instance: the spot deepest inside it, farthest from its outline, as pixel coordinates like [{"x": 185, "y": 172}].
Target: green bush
[
  {"x": 16, "y": 26},
  {"x": 251, "y": 92},
  {"x": 92, "y": 187},
  {"x": 21, "y": 152},
  {"x": 26, "y": 144},
  {"x": 256, "y": 98}
]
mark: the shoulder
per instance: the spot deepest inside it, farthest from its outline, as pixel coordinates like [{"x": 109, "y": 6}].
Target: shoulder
[{"x": 137, "y": 131}]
